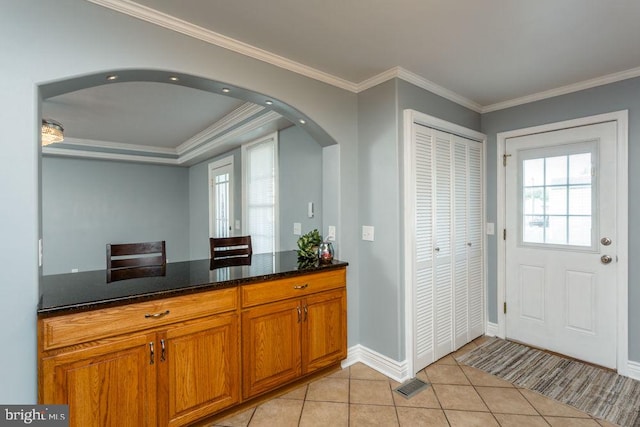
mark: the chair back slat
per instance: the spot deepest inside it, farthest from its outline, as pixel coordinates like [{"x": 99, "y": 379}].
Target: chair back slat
[
  {"x": 230, "y": 247},
  {"x": 127, "y": 255}
]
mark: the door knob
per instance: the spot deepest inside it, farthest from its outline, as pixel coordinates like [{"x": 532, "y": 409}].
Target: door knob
[
  {"x": 605, "y": 259},
  {"x": 605, "y": 241}
]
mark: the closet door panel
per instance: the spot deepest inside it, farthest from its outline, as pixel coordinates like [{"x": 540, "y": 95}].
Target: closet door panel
[
  {"x": 461, "y": 248},
  {"x": 475, "y": 241},
  {"x": 443, "y": 246},
  {"x": 423, "y": 319}
]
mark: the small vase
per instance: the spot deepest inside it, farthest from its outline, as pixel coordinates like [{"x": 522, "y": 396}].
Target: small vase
[{"x": 325, "y": 252}]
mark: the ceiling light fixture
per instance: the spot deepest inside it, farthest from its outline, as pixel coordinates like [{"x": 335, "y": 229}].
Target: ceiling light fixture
[
  {"x": 174, "y": 78},
  {"x": 52, "y": 132},
  {"x": 302, "y": 121},
  {"x": 268, "y": 102},
  {"x": 226, "y": 90},
  {"x": 112, "y": 77}
]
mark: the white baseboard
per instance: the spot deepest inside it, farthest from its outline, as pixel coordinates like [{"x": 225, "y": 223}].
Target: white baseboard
[
  {"x": 492, "y": 329},
  {"x": 633, "y": 370},
  {"x": 393, "y": 369}
]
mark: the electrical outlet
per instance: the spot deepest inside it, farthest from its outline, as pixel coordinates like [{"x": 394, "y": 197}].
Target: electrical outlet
[
  {"x": 367, "y": 232},
  {"x": 297, "y": 228},
  {"x": 491, "y": 229}
]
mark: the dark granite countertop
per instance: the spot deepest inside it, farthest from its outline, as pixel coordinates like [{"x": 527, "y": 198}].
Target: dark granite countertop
[{"x": 61, "y": 293}]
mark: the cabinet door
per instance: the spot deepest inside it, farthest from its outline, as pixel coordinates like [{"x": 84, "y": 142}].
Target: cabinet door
[
  {"x": 198, "y": 369},
  {"x": 324, "y": 339},
  {"x": 270, "y": 346},
  {"x": 111, "y": 384}
]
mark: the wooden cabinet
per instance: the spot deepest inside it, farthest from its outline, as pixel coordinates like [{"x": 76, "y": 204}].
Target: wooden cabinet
[
  {"x": 199, "y": 370},
  {"x": 304, "y": 332},
  {"x": 173, "y": 361},
  {"x": 108, "y": 384},
  {"x": 165, "y": 374}
]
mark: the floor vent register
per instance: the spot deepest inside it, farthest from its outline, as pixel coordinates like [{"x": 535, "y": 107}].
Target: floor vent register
[{"x": 411, "y": 387}]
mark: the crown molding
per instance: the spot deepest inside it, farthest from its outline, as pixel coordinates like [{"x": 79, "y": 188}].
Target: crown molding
[
  {"x": 243, "y": 112},
  {"x": 563, "y": 90},
  {"x": 238, "y": 132},
  {"x": 119, "y": 146},
  {"x": 153, "y": 16},
  {"x": 99, "y": 155}
]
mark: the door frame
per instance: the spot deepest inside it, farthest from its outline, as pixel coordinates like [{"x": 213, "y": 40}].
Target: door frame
[
  {"x": 408, "y": 189},
  {"x": 211, "y": 167},
  {"x": 621, "y": 118}
]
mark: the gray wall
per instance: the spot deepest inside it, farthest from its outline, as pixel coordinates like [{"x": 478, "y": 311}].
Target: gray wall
[
  {"x": 300, "y": 164},
  {"x": 88, "y": 38},
  {"x": 381, "y": 265},
  {"x": 89, "y": 203},
  {"x": 603, "y": 99}
]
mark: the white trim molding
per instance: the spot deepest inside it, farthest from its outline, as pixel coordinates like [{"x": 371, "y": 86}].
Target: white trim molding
[
  {"x": 633, "y": 370},
  {"x": 393, "y": 369},
  {"x": 624, "y": 367},
  {"x": 492, "y": 329}
]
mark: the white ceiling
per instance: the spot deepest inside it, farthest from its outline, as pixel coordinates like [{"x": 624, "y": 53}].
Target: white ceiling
[
  {"x": 485, "y": 54},
  {"x": 487, "y": 51}
]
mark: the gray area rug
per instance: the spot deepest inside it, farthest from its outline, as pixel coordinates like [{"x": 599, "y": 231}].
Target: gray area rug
[{"x": 596, "y": 391}]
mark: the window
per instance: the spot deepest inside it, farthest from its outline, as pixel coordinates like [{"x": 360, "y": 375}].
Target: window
[
  {"x": 557, "y": 195},
  {"x": 260, "y": 184}
]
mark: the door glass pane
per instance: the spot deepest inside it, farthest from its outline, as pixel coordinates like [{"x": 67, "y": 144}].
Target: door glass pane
[
  {"x": 533, "y": 172},
  {"x": 580, "y": 168},
  {"x": 556, "y": 199},
  {"x": 556, "y": 170}
]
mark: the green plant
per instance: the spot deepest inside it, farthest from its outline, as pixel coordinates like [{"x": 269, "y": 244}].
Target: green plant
[{"x": 308, "y": 246}]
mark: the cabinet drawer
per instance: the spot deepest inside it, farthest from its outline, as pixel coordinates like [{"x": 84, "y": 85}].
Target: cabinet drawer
[
  {"x": 292, "y": 287},
  {"x": 76, "y": 328}
]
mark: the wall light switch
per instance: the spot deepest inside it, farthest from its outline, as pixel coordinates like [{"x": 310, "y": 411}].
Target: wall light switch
[
  {"x": 237, "y": 224},
  {"x": 331, "y": 233},
  {"x": 297, "y": 228},
  {"x": 491, "y": 228},
  {"x": 367, "y": 232},
  {"x": 310, "y": 210}
]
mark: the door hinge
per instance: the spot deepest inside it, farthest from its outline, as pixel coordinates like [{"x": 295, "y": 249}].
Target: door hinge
[
  {"x": 504, "y": 307},
  {"x": 504, "y": 159},
  {"x": 504, "y": 234}
]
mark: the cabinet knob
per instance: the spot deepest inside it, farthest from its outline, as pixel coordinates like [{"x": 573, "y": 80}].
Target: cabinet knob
[{"x": 305, "y": 286}]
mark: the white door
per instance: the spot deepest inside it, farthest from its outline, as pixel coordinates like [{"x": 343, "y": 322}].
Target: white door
[
  {"x": 561, "y": 241},
  {"x": 221, "y": 198}
]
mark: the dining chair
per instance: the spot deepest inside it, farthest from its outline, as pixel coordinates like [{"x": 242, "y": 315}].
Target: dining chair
[
  {"x": 126, "y": 255},
  {"x": 230, "y": 247}
]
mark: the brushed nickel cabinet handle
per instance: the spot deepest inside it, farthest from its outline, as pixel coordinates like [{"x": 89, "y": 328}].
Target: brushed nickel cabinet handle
[
  {"x": 151, "y": 354},
  {"x": 156, "y": 315},
  {"x": 305, "y": 286},
  {"x": 162, "y": 351},
  {"x": 299, "y": 314},
  {"x": 306, "y": 312}
]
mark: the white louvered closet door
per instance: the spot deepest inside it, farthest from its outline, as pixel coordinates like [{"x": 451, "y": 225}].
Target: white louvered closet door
[
  {"x": 423, "y": 324},
  {"x": 442, "y": 250},
  {"x": 468, "y": 271},
  {"x": 447, "y": 282}
]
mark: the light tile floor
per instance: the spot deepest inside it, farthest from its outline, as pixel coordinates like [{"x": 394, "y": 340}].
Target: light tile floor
[{"x": 459, "y": 396}]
